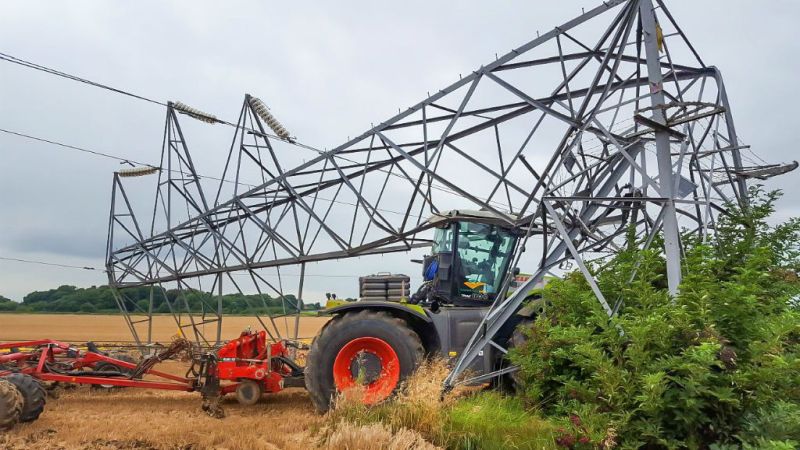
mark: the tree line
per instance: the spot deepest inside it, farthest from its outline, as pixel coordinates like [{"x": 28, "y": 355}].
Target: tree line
[{"x": 100, "y": 299}]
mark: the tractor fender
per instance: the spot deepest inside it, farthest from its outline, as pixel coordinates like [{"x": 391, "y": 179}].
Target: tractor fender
[
  {"x": 340, "y": 307},
  {"x": 415, "y": 315}
]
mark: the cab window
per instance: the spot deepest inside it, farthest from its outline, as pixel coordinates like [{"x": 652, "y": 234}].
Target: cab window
[{"x": 483, "y": 253}]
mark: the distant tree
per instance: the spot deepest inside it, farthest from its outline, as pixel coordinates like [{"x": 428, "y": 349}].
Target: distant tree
[
  {"x": 7, "y": 304},
  {"x": 101, "y": 299}
]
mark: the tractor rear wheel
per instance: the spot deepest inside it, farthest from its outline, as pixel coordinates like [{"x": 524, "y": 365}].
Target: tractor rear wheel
[
  {"x": 11, "y": 403},
  {"x": 368, "y": 349},
  {"x": 33, "y": 395}
]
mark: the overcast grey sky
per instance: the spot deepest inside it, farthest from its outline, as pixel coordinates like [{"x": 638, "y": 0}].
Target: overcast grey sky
[{"x": 327, "y": 70}]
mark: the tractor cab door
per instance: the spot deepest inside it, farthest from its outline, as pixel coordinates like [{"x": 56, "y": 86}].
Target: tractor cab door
[
  {"x": 472, "y": 260},
  {"x": 483, "y": 253}
]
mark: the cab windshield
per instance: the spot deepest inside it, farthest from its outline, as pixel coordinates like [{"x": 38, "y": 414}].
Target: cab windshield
[{"x": 483, "y": 254}]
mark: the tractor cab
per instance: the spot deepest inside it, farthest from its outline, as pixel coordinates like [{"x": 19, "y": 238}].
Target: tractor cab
[
  {"x": 469, "y": 258},
  {"x": 377, "y": 342}
]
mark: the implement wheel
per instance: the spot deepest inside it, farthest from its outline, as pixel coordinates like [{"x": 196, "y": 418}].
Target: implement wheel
[
  {"x": 104, "y": 366},
  {"x": 368, "y": 349},
  {"x": 11, "y": 403},
  {"x": 33, "y": 396},
  {"x": 249, "y": 392}
]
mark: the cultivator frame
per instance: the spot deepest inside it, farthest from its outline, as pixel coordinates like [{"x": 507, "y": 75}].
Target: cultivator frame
[
  {"x": 42, "y": 356},
  {"x": 249, "y": 360},
  {"x": 643, "y": 143}
]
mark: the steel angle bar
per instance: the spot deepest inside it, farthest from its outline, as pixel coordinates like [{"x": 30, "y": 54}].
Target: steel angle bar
[
  {"x": 441, "y": 179},
  {"x": 503, "y": 309},
  {"x": 567, "y": 240}
]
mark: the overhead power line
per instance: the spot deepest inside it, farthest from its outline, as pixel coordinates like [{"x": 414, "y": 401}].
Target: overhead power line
[
  {"x": 31, "y": 65},
  {"x": 44, "y": 263},
  {"x": 70, "y": 266},
  {"x": 72, "y": 147},
  {"x": 19, "y": 61},
  {"x": 128, "y": 160},
  {"x": 107, "y": 155}
]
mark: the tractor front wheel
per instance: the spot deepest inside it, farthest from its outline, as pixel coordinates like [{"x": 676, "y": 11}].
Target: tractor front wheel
[{"x": 369, "y": 350}]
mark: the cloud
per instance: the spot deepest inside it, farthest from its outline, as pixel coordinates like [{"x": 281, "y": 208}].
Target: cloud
[{"x": 327, "y": 70}]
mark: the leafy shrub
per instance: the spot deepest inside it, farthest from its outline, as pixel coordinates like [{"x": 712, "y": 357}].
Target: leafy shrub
[{"x": 718, "y": 364}]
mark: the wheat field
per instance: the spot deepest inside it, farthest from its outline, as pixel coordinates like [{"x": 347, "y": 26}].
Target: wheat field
[{"x": 78, "y": 328}]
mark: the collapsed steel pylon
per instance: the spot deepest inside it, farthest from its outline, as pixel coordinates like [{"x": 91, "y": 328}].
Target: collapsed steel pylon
[{"x": 607, "y": 123}]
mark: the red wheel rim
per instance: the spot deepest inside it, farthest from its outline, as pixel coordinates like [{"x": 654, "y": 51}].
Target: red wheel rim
[{"x": 380, "y": 388}]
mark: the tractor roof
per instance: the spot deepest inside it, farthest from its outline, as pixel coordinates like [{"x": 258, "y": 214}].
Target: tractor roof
[{"x": 468, "y": 215}]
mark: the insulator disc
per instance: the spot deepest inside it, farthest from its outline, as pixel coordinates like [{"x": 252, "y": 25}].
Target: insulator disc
[
  {"x": 194, "y": 113},
  {"x": 263, "y": 111},
  {"x": 138, "y": 171}
]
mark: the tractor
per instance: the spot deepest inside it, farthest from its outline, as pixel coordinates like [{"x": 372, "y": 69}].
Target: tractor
[{"x": 377, "y": 344}]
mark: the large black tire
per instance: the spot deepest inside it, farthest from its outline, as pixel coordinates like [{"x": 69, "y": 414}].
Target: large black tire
[
  {"x": 104, "y": 366},
  {"x": 11, "y": 403},
  {"x": 343, "y": 329},
  {"x": 33, "y": 395},
  {"x": 535, "y": 307},
  {"x": 518, "y": 340}
]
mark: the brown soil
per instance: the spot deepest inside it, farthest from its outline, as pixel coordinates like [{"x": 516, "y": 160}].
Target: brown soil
[{"x": 144, "y": 419}]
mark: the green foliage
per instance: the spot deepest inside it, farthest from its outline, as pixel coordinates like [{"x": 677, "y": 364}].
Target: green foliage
[
  {"x": 7, "y": 304},
  {"x": 719, "y": 364},
  {"x": 491, "y": 421},
  {"x": 70, "y": 299}
]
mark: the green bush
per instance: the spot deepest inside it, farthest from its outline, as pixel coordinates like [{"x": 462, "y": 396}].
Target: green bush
[{"x": 717, "y": 365}]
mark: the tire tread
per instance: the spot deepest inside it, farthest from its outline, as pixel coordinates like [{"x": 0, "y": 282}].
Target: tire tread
[
  {"x": 321, "y": 396},
  {"x": 33, "y": 395}
]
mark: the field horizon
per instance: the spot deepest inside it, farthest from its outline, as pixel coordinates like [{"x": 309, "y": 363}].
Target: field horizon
[{"x": 80, "y": 328}]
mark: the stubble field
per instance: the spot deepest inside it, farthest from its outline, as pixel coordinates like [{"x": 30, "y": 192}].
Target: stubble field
[
  {"x": 84, "y": 418},
  {"x": 78, "y": 328}
]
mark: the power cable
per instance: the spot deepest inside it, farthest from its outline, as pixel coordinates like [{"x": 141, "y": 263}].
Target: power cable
[
  {"x": 128, "y": 160},
  {"x": 19, "y": 61},
  {"x": 70, "y": 266},
  {"x": 44, "y": 263},
  {"x": 72, "y": 147},
  {"x": 31, "y": 65}
]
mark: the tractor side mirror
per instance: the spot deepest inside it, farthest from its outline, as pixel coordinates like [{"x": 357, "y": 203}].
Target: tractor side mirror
[{"x": 515, "y": 272}]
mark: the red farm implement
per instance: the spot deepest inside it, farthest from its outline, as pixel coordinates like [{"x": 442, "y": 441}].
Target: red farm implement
[{"x": 248, "y": 366}]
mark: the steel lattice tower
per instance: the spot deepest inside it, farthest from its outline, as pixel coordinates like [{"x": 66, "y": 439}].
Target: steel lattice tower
[{"x": 607, "y": 123}]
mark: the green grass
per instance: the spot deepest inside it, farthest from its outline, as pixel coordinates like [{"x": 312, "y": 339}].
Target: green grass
[
  {"x": 476, "y": 420},
  {"x": 484, "y": 420},
  {"x": 490, "y": 421}
]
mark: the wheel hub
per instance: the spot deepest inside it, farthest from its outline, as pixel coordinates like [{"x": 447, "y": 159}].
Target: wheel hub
[
  {"x": 365, "y": 367},
  {"x": 370, "y": 363}
]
